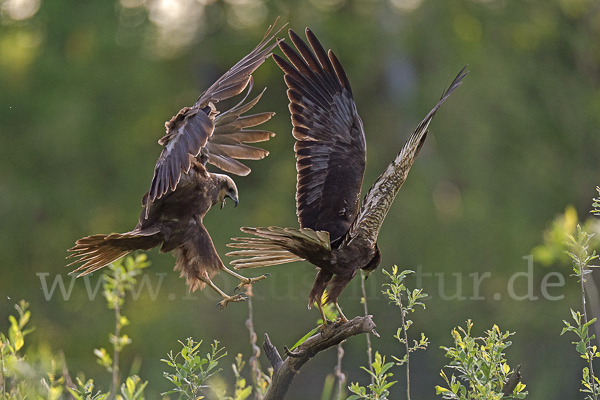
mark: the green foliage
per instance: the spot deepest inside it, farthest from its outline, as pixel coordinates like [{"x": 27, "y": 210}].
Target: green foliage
[
  {"x": 553, "y": 248},
  {"x": 578, "y": 251},
  {"x": 241, "y": 390},
  {"x": 379, "y": 389},
  {"x": 9, "y": 346},
  {"x": 587, "y": 351},
  {"x": 303, "y": 338},
  {"x": 17, "y": 378},
  {"x": 104, "y": 359},
  {"x": 578, "y": 247},
  {"x": 54, "y": 385},
  {"x": 190, "y": 376},
  {"x": 118, "y": 279},
  {"x": 480, "y": 364},
  {"x": 558, "y": 237},
  {"x": 596, "y": 203},
  {"x": 132, "y": 389},
  {"x": 85, "y": 391},
  {"x": 395, "y": 290},
  {"x": 568, "y": 239},
  {"x": 21, "y": 378}
]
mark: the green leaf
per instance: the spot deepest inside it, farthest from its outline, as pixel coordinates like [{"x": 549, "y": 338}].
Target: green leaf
[
  {"x": 455, "y": 387},
  {"x": 441, "y": 390},
  {"x": 244, "y": 393},
  {"x": 305, "y": 337}
]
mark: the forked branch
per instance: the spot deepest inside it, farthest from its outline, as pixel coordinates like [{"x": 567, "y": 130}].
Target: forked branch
[{"x": 333, "y": 334}]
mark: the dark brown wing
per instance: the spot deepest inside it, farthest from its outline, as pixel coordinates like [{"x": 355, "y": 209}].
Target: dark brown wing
[
  {"x": 187, "y": 134},
  {"x": 190, "y": 130},
  {"x": 235, "y": 80},
  {"x": 330, "y": 141},
  {"x": 380, "y": 196}
]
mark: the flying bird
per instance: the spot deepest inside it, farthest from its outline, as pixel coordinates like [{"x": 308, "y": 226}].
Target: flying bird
[
  {"x": 337, "y": 234},
  {"x": 182, "y": 190}
]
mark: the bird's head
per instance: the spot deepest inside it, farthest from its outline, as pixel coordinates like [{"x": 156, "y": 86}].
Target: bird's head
[
  {"x": 373, "y": 263},
  {"x": 227, "y": 189}
]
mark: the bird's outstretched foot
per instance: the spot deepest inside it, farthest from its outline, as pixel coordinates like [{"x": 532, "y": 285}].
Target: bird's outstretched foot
[
  {"x": 231, "y": 299},
  {"x": 326, "y": 324},
  {"x": 249, "y": 281}
]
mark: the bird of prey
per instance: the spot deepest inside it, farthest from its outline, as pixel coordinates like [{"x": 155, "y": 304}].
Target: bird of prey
[
  {"x": 182, "y": 190},
  {"x": 337, "y": 234}
]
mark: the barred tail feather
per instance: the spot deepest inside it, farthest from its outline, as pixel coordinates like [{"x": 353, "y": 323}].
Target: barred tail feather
[
  {"x": 260, "y": 253},
  {"x": 98, "y": 251},
  {"x": 275, "y": 246}
]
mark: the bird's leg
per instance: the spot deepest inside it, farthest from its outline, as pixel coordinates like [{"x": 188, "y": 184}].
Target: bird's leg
[
  {"x": 343, "y": 318},
  {"x": 325, "y": 320},
  {"x": 226, "y": 298},
  {"x": 244, "y": 281}
]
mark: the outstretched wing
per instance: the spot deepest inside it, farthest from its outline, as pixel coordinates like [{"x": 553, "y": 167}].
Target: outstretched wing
[
  {"x": 380, "y": 196},
  {"x": 189, "y": 131},
  {"x": 330, "y": 141}
]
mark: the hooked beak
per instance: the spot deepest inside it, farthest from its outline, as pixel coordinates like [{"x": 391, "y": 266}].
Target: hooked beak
[
  {"x": 234, "y": 198},
  {"x": 367, "y": 273}
]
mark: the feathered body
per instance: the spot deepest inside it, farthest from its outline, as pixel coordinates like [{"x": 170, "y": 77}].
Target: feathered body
[
  {"x": 336, "y": 233},
  {"x": 182, "y": 190},
  {"x": 173, "y": 222}
]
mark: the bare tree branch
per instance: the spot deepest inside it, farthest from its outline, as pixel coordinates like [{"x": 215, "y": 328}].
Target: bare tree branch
[
  {"x": 339, "y": 374},
  {"x": 259, "y": 378},
  {"x": 333, "y": 334},
  {"x": 369, "y": 348}
]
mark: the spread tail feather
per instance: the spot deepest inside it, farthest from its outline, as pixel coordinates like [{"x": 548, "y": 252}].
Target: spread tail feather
[
  {"x": 98, "y": 251},
  {"x": 275, "y": 246}
]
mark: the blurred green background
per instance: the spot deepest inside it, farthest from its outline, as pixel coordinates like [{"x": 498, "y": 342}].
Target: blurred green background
[{"x": 85, "y": 88}]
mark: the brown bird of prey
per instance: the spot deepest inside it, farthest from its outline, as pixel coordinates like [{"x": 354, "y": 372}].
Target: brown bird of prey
[
  {"x": 336, "y": 233},
  {"x": 182, "y": 190}
]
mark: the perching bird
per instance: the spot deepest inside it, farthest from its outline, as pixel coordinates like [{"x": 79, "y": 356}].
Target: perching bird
[
  {"x": 182, "y": 190},
  {"x": 336, "y": 234}
]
